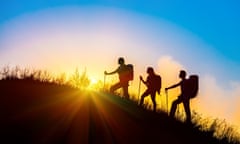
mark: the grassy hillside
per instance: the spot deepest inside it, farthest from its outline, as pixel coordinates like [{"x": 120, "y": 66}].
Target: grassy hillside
[{"x": 41, "y": 112}]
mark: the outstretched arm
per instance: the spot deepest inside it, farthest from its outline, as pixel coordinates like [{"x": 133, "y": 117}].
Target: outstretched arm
[
  {"x": 110, "y": 73},
  {"x": 173, "y": 86}
]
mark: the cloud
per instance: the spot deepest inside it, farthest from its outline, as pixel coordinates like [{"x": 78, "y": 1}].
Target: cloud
[
  {"x": 213, "y": 100},
  {"x": 217, "y": 101}
]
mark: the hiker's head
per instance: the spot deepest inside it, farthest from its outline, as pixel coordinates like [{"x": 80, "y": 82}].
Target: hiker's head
[
  {"x": 150, "y": 70},
  {"x": 182, "y": 74},
  {"x": 121, "y": 60}
]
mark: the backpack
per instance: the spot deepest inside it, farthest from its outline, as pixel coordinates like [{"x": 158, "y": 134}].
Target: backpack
[
  {"x": 129, "y": 72},
  {"x": 158, "y": 83},
  {"x": 192, "y": 86}
]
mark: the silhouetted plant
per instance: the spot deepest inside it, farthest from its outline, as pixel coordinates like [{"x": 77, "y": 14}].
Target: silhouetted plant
[
  {"x": 61, "y": 79},
  {"x": 46, "y": 76},
  {"x": 25, "y": 73},
  {"x": 147, "y": 104},
  {"x": 5, "y": 72},
  {"x": 98, "y": 86},
  {"x": 217, "y": 128},
  {"x": 37, "y": 74},
  {"x": 8, "y": 73},
  {"x": 223, "y": 130},
  {"x": 79, "y": 80},
  {"x": 15, "y": 72}
]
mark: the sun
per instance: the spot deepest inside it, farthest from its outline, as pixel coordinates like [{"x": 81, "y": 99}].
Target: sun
[
  {"x": 93, "y": 80},
  {"x": 95, "y": 83}
]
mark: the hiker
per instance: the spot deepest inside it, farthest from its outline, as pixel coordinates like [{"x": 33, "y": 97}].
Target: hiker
[
  {"x": 125, "y": 73},
  {"x": 182, "y": 98},
  {"x": 153, "y": 84}
]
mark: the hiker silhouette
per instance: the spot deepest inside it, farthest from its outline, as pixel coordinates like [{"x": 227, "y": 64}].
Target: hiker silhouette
[
  {"x": 184, "y": 97},
  {"x": 125, "y": 73},
  {"x": 153, "y": 83}
]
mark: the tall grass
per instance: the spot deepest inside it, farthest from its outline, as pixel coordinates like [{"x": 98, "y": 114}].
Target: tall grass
[
  {"x": 219, "y": 128},
  {"x": 213, "y": 126},
  {"x": 77, "y": 79}
]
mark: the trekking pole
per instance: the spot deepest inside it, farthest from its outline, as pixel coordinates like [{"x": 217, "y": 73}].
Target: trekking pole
[
  {"x": 139, "y": 88},
  {"x": 167, "y": 100},
  {"x": 104, "y": 81}
]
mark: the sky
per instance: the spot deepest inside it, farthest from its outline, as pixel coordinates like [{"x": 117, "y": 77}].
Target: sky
[{"x": 201, "y": 37}]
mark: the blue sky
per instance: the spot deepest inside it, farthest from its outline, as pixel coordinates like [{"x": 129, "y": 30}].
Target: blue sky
[{"x": 216, "y": 22}]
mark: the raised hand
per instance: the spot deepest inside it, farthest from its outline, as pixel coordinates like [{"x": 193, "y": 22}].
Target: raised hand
[{"x": 105, "y": 72}]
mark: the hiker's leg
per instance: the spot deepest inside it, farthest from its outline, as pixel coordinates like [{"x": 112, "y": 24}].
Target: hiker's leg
[
  {"x": 115, "y": 87},
  {"x": 146, "y": 93},
  {"x": 153, "y": 96},
  {"x": 186, "y": 104},
  {"x": 125, "y": 90},
  {"x": 174, "y": 106}
]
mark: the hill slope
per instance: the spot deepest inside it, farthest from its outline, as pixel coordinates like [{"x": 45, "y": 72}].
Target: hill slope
[{"x": 36, "y": 112}]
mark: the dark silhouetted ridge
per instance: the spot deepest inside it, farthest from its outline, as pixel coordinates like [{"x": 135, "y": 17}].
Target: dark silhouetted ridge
[{"x": 40, "y": 112}]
